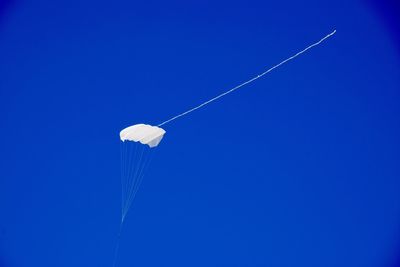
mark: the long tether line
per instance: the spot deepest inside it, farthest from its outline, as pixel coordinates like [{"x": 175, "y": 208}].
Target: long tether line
[{"x": 249, "y": 81}]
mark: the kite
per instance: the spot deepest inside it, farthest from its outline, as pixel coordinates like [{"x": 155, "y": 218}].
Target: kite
[{"x": 140, "y": 140}]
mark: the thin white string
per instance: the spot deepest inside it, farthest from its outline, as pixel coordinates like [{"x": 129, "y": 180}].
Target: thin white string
[
  {"x": 137, "y": 163},
  {"x": 139, "y": 181},
  {"x": 249, "y": 81}
]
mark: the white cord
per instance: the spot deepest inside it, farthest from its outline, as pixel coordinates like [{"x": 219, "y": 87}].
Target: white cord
[{"x": 249, "y": 81}]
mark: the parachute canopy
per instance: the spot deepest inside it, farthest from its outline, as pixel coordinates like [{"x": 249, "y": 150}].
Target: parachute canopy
[{"x": 143, "y": 133}]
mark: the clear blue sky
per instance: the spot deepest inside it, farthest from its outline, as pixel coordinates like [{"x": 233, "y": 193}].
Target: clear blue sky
[{"x": 300, "y": 168}]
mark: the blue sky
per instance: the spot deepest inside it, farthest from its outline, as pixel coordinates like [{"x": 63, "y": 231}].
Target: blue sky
[{"x": 297, "y": 169}]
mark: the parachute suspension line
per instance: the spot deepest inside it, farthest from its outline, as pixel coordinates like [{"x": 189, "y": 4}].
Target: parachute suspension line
[
  {"x": 122, "y": 150},
  {"x": 136, "y": 160},
  {"x": 126, "y": 159},
  {"x": 139, "y": 179},
  {"x": 249, "y": 81},
  {"x": 134, "y": 182},
  {"x": 138, "y": 165},
  {"x": 134, "y": 163},
  {"x": 129, "y": 155}
]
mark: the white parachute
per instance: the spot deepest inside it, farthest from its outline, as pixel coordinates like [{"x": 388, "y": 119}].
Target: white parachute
[
  {"x": 138, "y": 142},
  {"x": 137, "y": 146}
]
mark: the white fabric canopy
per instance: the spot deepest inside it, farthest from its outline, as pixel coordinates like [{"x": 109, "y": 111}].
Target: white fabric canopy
[{"x": 143, "y": 133}]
